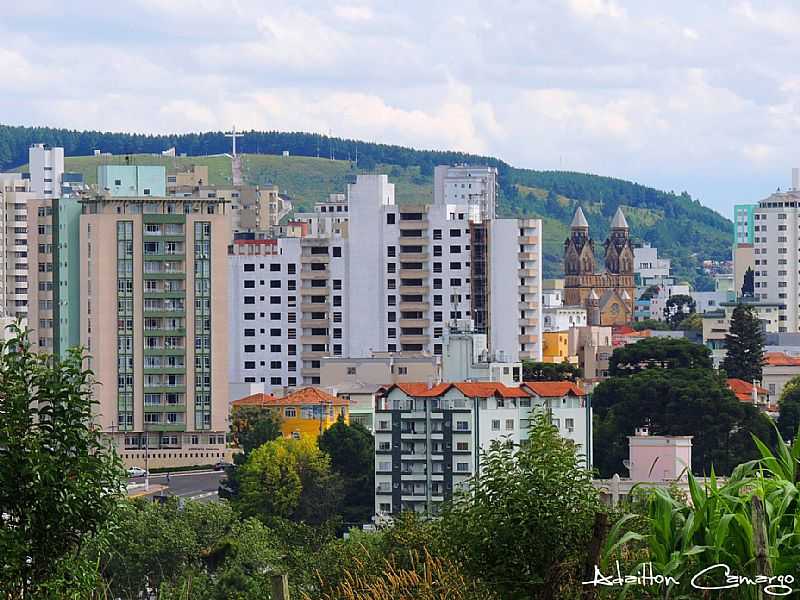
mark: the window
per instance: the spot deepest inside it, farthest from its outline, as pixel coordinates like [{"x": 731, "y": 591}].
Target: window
[
  {"x": 455, "y": 249},
  {"x": 351, "y": 370},
  {"x": 437, "y": 234},
  {"x": 384, "y": 446},
  {"x": 249, "y": 283},
  {"x": 462, "y": 467},
  {"x": 570, "y": 424},
  {"x": 337, "y": 252},
  {"x": 462, "y": 446},
  {"x": 391, "y": 317},
  {"x": 390, "y": 218},
  {"x": 290, "y": 411},
  {"x": 391, "y": 251},
  {"x": 391, "y": 332},
  {"x": 455, "y": 233},
  {"x": 463, "y": 425},
  {"x": 495, "y": 424},
  {"x": 509, "y": 424}
]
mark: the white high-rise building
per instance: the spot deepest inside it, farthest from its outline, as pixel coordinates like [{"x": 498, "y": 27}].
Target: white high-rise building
[
  {"x": 776, "y": 255},
  {"x": 475, "y": 186},
  {"x": 15, "y": 194},
  {"x": 386, "y": 278},
  {"x": 46, "y": 166}
]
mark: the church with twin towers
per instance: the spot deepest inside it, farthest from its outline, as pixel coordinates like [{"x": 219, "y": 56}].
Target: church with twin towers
[{"x": 606, "y": 294}]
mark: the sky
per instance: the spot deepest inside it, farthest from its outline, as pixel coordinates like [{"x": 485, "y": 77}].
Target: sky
[{"x": 680, "y": 95}]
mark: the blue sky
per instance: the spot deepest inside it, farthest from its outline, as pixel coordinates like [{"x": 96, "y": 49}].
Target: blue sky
[{"x": 678, "y": 95}]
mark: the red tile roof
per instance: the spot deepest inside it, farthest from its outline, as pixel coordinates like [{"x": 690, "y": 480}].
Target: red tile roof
[
  {"x": 554, "y": 389},
  {"x": 623, "y": 330},
  {"x": 744, "y": 389},
  {"x": 302, "y": 397},
  {"x": 471, "y": 389},
  {"x": 779, "y": 359}
]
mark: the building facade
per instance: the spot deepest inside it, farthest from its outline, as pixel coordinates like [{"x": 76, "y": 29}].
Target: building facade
[
  {"x": 743, "y": 223},
  {"x": 409, "y": 271},
  {"x": 153, "y": 281},
  {"x": 607, "y": 294},
  {"x": 428, "y": 438}
]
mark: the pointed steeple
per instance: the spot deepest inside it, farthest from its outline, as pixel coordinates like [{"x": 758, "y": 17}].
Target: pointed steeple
[
  {"x": 619, "y": 221},
  {"x": 579, "y": 221}
]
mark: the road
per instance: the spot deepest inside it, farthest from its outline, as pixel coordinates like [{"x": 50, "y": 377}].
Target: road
[{"x": 190, "y": 485}]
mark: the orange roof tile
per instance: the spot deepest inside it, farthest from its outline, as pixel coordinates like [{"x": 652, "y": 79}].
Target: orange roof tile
[
  {"x": 259, "y": 399},
  {"x": 779, "y": 359},
  {"x": 470, "y": 389},
  {"x": 302, "y": 397},
  {"x": 744, "y": 389},
  {"x": 554, "y": 389},
  {"x": 623, "y": 330}
]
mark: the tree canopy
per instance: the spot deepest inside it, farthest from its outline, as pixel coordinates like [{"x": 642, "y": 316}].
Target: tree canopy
[
  {"x": 59, "y": 480},
  {"x": 676, "y": 401},
  {"x": 541, "y": 371},
  {"x": 524, "y": 495},
  {"x": 352, "y": 451},
  {"x": 789, "y": 407},
  {"x": 744, "y": 345},
  {"x": 678, "y": 307},
  {"x": 666, "y": 353}
]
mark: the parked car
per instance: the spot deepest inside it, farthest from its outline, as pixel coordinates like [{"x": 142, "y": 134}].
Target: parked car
[
  {"x": 136, "y": 472},
  {"x": 222, "y": 465}
]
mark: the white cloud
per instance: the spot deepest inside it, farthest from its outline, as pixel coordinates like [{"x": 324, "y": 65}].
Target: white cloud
[{"x": 657, "y": 92}]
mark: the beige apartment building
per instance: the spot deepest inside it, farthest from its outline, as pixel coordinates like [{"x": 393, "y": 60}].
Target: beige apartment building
[{"x": 153, "y": 287}]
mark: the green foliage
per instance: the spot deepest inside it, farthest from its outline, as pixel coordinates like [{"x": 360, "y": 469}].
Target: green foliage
[
  {"x": 693, "y": 322},
  {"x": 540, "y": 371},
  {"x": 663, "y": 353},
  {"x": 352, "y": 451},
  {"x": 675, "y": 401},
  {"x": 719, "y": 525},
  {"x": 650, "y": 324},
  {"x": 744, "y": 345},
  {"x": 789, "y": 409},
  {"x": 59, "y": 480},
  {"x": 253, "y": 426},
  {"x": 288, "y": 479},
  {"x": 678, "y": 307},
  {"x": 525, "y": 495}
]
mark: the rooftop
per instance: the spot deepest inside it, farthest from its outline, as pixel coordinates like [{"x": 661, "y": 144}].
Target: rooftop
[
  {"x": 307, "y": 396},
  {"x": 743, "y": 390}
]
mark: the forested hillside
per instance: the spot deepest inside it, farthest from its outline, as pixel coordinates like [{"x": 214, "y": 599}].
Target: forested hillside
[{"x": 678, "y": 225}]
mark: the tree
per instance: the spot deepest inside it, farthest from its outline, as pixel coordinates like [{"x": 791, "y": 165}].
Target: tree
[
  {"x": 678, "y": 307},
  {"x": 540, "y": 371},
  {"x": 650, "y": 324},
  {"x": 693, "y": 322},
  {"x": 666, "y": 353},
  {"x": 288, "y": 479},
  {"x": 748, "y": 283},
  {"x": 744, "y": 345},
  {"x": 789, "y": 407},
  {"x": 651, "y": 291},
  {"x": 352, "y": 451},
  {"x": 525, "y": 494},
  {"x": 676, "y": 401},
  {"x": 252, "y": 426},
  {"x": 59, "y": 480}
]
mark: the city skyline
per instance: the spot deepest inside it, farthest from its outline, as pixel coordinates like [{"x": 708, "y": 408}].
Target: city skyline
[{"x": 702, "y": 103}]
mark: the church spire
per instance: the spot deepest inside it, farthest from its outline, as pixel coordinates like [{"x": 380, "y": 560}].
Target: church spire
[
  {"x": 619, "y": 221},
  {"x": 579, "y": 220}
]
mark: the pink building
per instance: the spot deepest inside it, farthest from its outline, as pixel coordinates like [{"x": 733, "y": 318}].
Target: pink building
[{"x": 657, "y": 458}]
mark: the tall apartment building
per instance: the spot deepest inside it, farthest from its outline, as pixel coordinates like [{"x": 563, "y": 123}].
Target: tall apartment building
[
  {"x": 15, "y": 195},
  {"x": 374, "y": 276},
  {"x": 743, "y": 223},
  {"x": 464, "y": 184},
  {"x": 428, "y": 438},
  {"x": 776, "y": 255},
  {"x": 153, "y": 287},
  {"x": 46, "y": 167}
]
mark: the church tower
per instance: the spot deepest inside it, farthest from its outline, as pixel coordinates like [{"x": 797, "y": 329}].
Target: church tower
[
  {"x": 579, "y": 248},
  {"x": 619, "y": 250}
]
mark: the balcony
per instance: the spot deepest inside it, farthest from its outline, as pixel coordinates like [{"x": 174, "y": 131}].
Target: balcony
[
  {"x": 529, "y": 256},
  {"x": 309, "y": 372},
  {"x": 528, "y": 272},
  {"x": 315, "y": 322},
  {"x": 315, "y": 259},
  {"x": 414, "y": 339},
  {"x": 314, "y": 274},
  {"x": 315, "y": 306},
  {"x": 414, "y": 289},
  {"x": 314, "y": 339},
  {"x": 529, "y": 239},
  {"x": 414, "y": 306},
  {"x": 414, "y": 323},
  {"x": 529, "y": 289},
  {"x": 414, "y": 256},
  {"x": 383, "y": 491},
  {"x": 413, "y": 241},
  {"x": 529, "y": 322},
  {"x": 410, "y": 224},
  {"x": 414, "y": 273},
  {"x": 528, "y": 304},
  {"x": 528, "y": 339}
]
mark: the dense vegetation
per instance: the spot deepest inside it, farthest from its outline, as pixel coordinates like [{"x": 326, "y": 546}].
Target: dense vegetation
[{"x": 678, "y": 225}]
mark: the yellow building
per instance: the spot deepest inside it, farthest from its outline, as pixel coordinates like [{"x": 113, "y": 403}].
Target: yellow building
[
  {"x": 306, "y": 412},
  {"x": 555, "y": 348}
]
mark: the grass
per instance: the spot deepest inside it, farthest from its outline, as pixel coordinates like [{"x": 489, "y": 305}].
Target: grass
[{"x": 306, "y": 180}]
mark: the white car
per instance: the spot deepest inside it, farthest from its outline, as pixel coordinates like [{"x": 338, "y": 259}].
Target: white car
[{"x": 136, "y": 472}]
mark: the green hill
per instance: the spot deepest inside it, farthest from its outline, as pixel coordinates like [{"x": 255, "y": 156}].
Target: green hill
[{"x": 681, "y": 228}]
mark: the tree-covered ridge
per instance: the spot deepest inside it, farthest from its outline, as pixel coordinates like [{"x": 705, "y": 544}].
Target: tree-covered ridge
[{"x": 679, "y": 226}]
